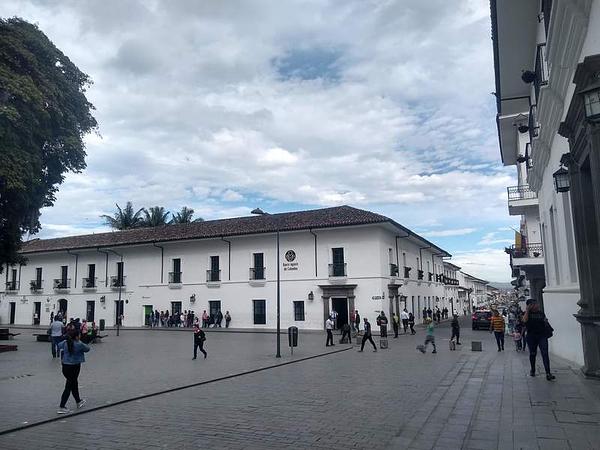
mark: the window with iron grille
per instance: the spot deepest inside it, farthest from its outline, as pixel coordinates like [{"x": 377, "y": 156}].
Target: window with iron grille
[{"x": 299, "y": 311}]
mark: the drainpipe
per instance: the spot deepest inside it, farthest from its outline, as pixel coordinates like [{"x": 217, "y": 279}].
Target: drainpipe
[
  {"x": 228, "y": 258},
  {"x": 105, "y": 268},
  {"x": 20, "y": 265},
  {"x": 76, "y": 255},
  {"x": 314, "y": 234},
  {"x": 162, "y": 256}
]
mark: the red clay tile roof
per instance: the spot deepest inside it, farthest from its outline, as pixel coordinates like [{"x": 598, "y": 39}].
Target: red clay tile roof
[{"x": 338, "y": 216}]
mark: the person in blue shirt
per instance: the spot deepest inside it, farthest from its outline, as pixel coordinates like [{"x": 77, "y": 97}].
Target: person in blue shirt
[{"x": 73, "y": 354}]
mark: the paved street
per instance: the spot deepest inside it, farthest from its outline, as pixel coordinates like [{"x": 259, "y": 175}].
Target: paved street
[{"x": 396, "y": 398}]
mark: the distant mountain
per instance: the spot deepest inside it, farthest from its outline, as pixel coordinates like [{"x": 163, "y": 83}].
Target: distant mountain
[{"x": 503, "y": 286}]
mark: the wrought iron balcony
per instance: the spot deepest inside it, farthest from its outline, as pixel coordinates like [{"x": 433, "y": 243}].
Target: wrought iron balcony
[
  {"x": 430, "y": 276},
  {"x": 12, "y": 286},
  {"x": 62, "y": 283},
  {"x": 36, "y": 285},
  {"x": 175, "y": 277},
  {"x": 522, "y": 192},
  {"x": 393, "y": 270},
  {"x": 407, "y": 271},
  {"x": 531, "y": 250},
  {"x": 420, "y": 275},
  {"x": 541, "y": 70},
  {"x": 213, "y": 275},
  {"x": 337, "y": 270},
  {"x": 89, "y": 283},
  {"x": 257, "y": 273},
  {"x": 117, "y": 282}
]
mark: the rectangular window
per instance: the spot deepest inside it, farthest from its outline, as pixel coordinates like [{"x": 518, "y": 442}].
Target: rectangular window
[
  {"x": 64, "y": 270},
  {"x": 175, "y": 276},
  {"x": 90, "y": 281},
  {"x": 338, "y": 266},
  {"x": 38, "y": 276},
  {"x": 258, "y": 272},
  {"x": 299, "y": 311},
  {"x": 214, "y": 273},
  {"x": 120, "y": 273},
  {"x": 14, "y": 275},
  {"x": 260, "y": 312}
]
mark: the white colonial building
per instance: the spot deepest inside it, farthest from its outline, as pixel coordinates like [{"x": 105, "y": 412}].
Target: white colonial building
[
  {"x": 547, "y": 66},
  {"x": 338, "y": 258}
]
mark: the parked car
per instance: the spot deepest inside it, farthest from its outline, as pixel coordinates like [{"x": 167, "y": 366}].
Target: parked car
[{"x": 481, "y": 320}]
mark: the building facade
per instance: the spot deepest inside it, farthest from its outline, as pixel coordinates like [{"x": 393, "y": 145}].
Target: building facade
[
  {"x": 547, "y": 63},
  {"x": 330, "y": 259}
]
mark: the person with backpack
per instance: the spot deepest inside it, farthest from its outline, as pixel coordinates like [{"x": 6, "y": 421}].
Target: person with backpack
[
  {"x": 538, "y": 332},
  {"x": 199, "y": 338},
  {"x": 72, "y": 356},
  {"x": 455, "y": 329},
  {"x": 367, "y": 336},
  {"x": 382, "y": 321}
]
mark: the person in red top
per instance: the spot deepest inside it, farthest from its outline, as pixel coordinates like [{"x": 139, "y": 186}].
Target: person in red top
[{"x": 497, "y": 326}]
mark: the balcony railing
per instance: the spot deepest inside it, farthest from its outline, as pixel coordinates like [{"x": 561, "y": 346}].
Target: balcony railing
[
  {"x": 450, "y": 281},
  {"x": 541, "y": 70},
  {"x": 12, "y": 285},
  {"x": 175, "y": 277},
  {"x": 257, "y": 273},
  {"x": 523, "y": 192},
  {"x": 534, "y": 127},
  {"x": 531, "y": 250},
  {"x": 62, "y": 283},
  {"x": 407, "y": 271},
  {"x": 393, "y": 270},
  {"x": 36, "y": 285},
  {"x": 89, "y": 283},
  {"x": 213, "y": 275},
  {"x": 117, "y": 281},
  {"x": 337, "y": 270},
  {"x": 430, "y": 276},
  {"x": 420, "y": 274}
]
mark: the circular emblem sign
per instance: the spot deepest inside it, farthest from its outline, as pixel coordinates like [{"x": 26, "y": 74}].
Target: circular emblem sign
[{"x": 290, "y": 255}]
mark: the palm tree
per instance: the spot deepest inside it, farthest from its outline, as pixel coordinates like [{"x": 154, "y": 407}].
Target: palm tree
[
  {"x": 124, "y": 219},
  {"x": 156, "y": 216},
  {"x": 185, "y": 216}
]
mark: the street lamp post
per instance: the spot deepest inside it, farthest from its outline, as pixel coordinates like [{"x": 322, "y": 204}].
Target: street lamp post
[{"x": 260, "y": 212}]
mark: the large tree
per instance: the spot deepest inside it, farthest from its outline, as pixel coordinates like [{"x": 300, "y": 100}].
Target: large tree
[
  {"x": 186, "y": 215},
  {"x": 44, "y": 116},
  {"x": 125, "y": 218},
  {"x": 155, "y": 216}
]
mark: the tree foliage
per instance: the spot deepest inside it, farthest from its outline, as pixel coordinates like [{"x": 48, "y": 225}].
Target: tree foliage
[
  {"x": 186, "y": 215},
  {"x": 44, "y": 116},
  {"x": 125, "y": 218},
  {"x": 155, "y": 216}
]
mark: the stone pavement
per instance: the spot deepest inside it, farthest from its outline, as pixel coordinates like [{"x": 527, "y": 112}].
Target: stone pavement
[{"x": 396, "y": 398}]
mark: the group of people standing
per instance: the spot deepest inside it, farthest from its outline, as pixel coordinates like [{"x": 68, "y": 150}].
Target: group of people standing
[
  {"x": 436, "y": 315},
  {"x": 187, "y": 319},
  {"x": 215, "y": 319}
]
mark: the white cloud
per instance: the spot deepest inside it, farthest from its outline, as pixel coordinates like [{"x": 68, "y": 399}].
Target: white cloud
[
  {"x": 445, "y": 233},
  {"x": 488, "y": 263},
  {"x": 401, "y": 120}
]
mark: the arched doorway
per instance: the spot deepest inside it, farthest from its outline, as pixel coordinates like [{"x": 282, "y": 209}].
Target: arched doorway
[{"x": 62, "y": 307}]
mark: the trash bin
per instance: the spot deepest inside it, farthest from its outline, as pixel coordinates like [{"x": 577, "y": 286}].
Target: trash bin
[
  {"x": 293, "y": 337},
  {"x": 101, "y": 324}
]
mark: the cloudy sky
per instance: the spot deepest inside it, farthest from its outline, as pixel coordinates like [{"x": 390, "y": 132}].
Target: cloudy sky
[{"x": 224, "y": 106}]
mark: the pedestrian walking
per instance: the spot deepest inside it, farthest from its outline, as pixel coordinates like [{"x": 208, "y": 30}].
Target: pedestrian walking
[
  {"x": 404, "y": 318},
  {"x": 73, "y": 351},
  {"x": 382, "y": 322},
  {"x": 334, "y": 317},
  {"x": 395, "y": 324},
  {"x": 429, "y": 313},
  {"x": 199, "y": 338},
  {"x": 367, "y": 336},
  {"x": 538, "y": 332},
  {"x": 329, "y": 329},
  {"x": 497, "y": 326},
  {"x": 411, "y": 322},
  {"x": 429, "y": 338},
  {"x": 219, "y": 318},
  {"x": 357, "y": 321},
  {"x": 227, "y": 319},
  {"x": 56, "y": 335},
  {"x": 346, "y": 332},
  {"x": 204, "y": 319},
  {"x": 455, "y": 329}
]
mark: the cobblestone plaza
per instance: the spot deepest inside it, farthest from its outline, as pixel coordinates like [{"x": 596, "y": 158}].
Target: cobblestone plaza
[{"x": 395, "y": 398}]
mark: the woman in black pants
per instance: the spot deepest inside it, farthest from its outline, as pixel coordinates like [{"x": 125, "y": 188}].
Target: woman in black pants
[
  {"x": 72, "y": 356},
  {"x": 537, "y": 336}
]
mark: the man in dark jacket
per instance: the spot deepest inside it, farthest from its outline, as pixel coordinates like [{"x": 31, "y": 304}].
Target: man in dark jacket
[
  {"x": 199, "y": 338},
  {"x": 357, "y": 322},
  {"x": 382, "y": 321},
  {"x": 367, "y": 337},
  {"x": 455, "y": 329}
]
